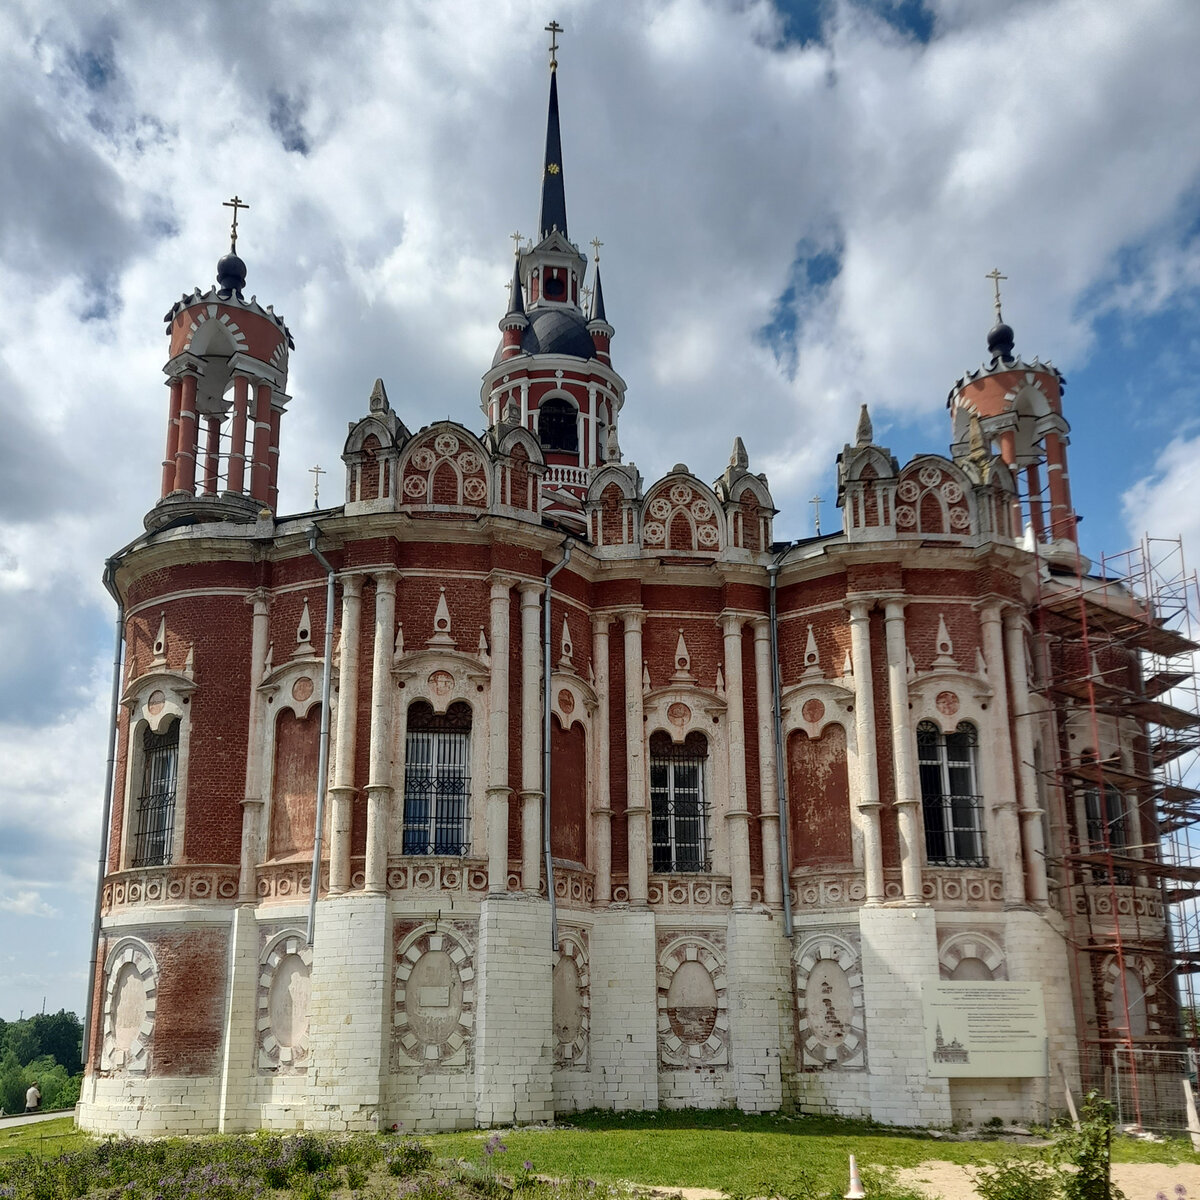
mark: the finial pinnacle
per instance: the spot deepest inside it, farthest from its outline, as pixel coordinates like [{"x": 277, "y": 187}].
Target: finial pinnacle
[
  {"x": 995, "y": 276},
  {"x": 235, "y": 204},
  {"x": 516, "y": 236},
  {"x": 554, "y": 29},
  {"x": 595, "y": 244}
]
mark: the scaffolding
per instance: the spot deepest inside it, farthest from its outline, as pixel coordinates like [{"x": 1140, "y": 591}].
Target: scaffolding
[{"x": 1120, "y": 736}]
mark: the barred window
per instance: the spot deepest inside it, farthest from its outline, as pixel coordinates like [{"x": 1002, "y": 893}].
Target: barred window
[
  {"x": 437, "y": 780},
  {"x": 155, "y": 827},
  {"x": 678, "y": 810},
  {"x": 950, "y": 795}
]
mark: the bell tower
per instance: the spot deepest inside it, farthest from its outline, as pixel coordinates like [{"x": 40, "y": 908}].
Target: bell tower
[
  {"x": 1018, "y": 406},
  {"x": 552, "y": 372},
  {"x": 227, "y": 374}
]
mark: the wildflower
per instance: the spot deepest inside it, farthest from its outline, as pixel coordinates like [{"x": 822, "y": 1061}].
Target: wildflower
[{"x": 527, "y": 1165}]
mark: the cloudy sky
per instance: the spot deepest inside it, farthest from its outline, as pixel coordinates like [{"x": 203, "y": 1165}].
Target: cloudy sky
[{"x": 798, "y": 203}]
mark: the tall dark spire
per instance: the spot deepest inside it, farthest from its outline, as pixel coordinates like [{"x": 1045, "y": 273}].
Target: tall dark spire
[
  {"x": 554, "y": 196},
  {"x": 597, "y": 313}
]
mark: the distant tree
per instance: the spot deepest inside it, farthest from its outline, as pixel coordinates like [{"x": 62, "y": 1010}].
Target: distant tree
[
  {"x": 21, "y": 1039},
  {"x": 12, "y": 1083},
  {"x": 60, "y": 1035}
]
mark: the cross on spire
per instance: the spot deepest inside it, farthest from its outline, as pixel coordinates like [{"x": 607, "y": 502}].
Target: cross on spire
[
  {"x": 235, "y": 204},
  {"x": 316, "y": 473},
  {"x": 995, "y": 276},
  {"x": 554, "y": 29},
  {"x": 816, "y": 502},
  {"x": 595, "y": 244},
  {"x": 516, "y": 236}
]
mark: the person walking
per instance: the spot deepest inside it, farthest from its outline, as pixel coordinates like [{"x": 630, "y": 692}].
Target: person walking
[{"x": 33, "y": 1098}]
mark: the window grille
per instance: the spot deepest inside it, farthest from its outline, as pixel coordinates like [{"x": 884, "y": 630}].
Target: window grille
[
  {"x": 437, "y": 781},
  {"x": 155, "y": 827},
  {"x": 678, "y": 812},
  {"x": 950, "y": 797},
  {"x": 558, "y": 426}
]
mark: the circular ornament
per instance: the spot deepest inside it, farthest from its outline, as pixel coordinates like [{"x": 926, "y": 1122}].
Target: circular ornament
[
  {"x": 156, "y": 703},
  {"x": 660, "y": 508},
  {"x": 959, "y": 518},
  {"x": 469, "y": 462},
  {"x": 655, "y": 533},
  {"x": 475, "y": 490},
  {"x": 566, "y": 702},
  {"x": 302, "y": 689},
  {"x": 679, "y": 714},
  {"x": 812, "y": 711},
  {"x": 947, "y": 703},
  {"x": 414, "y": 486},
  {"x": 951, "y": 492},
  {"x": 930, "y": 476},
  {"x": 906, "y": 517},
  {"x": 424, "y": 459},
  {"x": 702, "y": 510},
  {"x": 908, "y": 491},
  {"x": 681, "y": 493},
  {"x": 446, "y": 444},
  {"x": 707, "y": 534}
]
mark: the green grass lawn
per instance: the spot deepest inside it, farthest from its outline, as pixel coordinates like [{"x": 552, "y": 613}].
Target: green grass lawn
[{"x": 733, "y": 1152}]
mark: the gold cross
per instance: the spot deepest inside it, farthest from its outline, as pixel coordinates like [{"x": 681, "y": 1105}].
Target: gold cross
[
  {"x": 587, "y": 297},
  {"x": 235, "y": 204},
  {"x": 516, "y": 241},
  {"x": 554, "y": 29},
  {"x": 816, "y": 502},
  {"x": 316, "y": 473},
  {"x": 596, "y": 243},
  {"x": 995, "y": 276}
]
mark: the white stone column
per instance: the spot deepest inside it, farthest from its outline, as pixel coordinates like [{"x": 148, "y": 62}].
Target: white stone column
[
  {"x": 907, "y": 799},
  {"x": 1005, "y": 851},
  {"x": 737, "y": 816},
  {"x": 498, "y": 790},
  {"x": 341, "y": 794},
  {"x": 1033, "y": 841},
  {"x": 768, "y": 781},
  {"x": 868, "y": 758},
  {"x": 379, "y": 779},
  {"x": 637, "y": 799},
  {"x": 602, "y": 804},
  {"x": 252, "y": 804},
  {"x": 531, "y": 737}
]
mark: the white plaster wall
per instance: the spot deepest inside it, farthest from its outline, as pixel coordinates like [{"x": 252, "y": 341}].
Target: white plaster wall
[
  {"x": 899, "y": 951},
  {"x": 760, "y": 1008},
  {"x": 514, "y": 1038},
  {"x": 136, "y": 1106},
  {"x": 624, "y": 1042},
  {"x": 351, "y": 997}
]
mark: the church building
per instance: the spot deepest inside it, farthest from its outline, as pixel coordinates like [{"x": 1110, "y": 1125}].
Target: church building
[{"x": 613, "y": 799}]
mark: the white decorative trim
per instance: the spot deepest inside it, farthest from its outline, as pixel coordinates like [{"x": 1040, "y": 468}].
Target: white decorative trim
[{"x": 139, "y": 959}]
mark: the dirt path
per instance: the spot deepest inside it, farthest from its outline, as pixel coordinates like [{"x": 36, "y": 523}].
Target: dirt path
[{"x": 1139, "y": 1181}]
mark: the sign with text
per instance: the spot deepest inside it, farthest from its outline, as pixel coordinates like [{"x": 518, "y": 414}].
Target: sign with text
[{"x": 984, "y": 1030}]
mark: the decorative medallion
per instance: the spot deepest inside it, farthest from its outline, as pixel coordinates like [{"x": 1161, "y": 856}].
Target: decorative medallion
[
  {"x": 446, "y": 444},
  {"x": 960, "y": 518},
  {"x": 302, "y": 689},
  {"x": 679, "y": 714},
  {"x": 930, "y": 476},
  {"x": 906, "y": 517},
  {"x": 707, "y": 535},
  {"x": 284, "y": 988},
  {"x": 681, "y": 494},
  {"x": 475, "y": 489},
  {"x": 951, "y": 492},
  {"x": 424, "y": 459},
  {"x": 434, "y": 1006},
  {"x": 654, "y": 533},
  {"x": 130, "y": 1002},
  {"x": 571, "y": 990},
  {"x": 156, "y": 703},
  {"x": 829, "y": 998},
  {"x": 566, "y": 702},
  {"x": 908, "y": 491},
  {"x": 469, "y": 462},
  {"x": 947, "y": 703},
  {"x": 660, "y": 508},
  {"x": 813, "y": 711},
  {"x": 441, "y": 683},
  {"x": 701, "y": 509},
  {"x": 414, "y": 485},
  {"x": 693, "y": 1017}
]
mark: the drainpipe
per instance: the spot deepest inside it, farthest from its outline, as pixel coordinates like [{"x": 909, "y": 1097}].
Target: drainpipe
[
  {"x": 323, "y": 752},
  {"x": 566, "y": 558},
  {"x": 109, "y": 771},
  {"x": 780, "y": 772}
]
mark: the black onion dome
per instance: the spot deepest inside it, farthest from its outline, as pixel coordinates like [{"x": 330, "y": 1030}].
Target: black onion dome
[
  {"x": 555, "y": 331},
  {"x": 231, "y": 274},
  {"x": 1000, "y": 341}
]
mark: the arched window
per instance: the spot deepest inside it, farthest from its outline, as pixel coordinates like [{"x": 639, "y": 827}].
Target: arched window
[
  {"x": 678, "y": 809},
  {"x": 155, "y": 828},
  {"x": 437, "y": 780},
  {"x": 950, "y": 795},
  {"x": 1107, "y": 815},
  {"x": 558, "y": 426}
]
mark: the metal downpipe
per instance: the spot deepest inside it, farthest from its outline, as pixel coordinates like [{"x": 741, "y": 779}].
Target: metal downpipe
[
  {"x": 780, "y": 773},
  {"x": 106, "y": 816},
  {"x": 566, "y": 558},
  {"x": 323, "y": 752}
]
